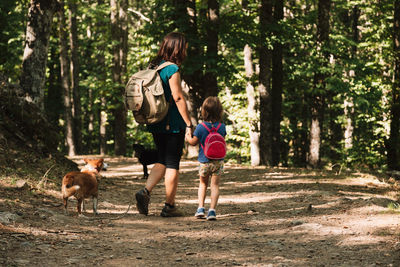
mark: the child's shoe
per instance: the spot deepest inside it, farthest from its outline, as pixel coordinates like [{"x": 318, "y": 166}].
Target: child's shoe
[
  {"x": 200, "y": 213},
  {"x": 211, "y": 216}
]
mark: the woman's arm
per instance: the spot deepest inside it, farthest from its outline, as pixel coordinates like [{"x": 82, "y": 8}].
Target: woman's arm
[{"x": 177, "y": 94}]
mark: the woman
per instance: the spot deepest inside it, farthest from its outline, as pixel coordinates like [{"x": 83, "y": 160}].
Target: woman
[{"x": 169, "y": 134}]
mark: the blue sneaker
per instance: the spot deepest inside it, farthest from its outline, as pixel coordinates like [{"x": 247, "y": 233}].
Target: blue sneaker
[
  {"x": 211, "y": 216},
  {"x": 200, "y": 213}
]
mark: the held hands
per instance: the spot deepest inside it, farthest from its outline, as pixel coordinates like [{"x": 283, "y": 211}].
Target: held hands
[
  {"x": 189, "y": 133},
  {"x": 192, "y": 140}
]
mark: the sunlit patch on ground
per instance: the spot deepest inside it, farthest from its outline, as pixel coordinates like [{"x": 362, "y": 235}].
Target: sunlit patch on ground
[{"x": 265, "y": 217}]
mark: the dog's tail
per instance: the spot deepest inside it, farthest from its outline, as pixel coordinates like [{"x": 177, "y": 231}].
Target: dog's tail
[{"x": 68, "y": 189}]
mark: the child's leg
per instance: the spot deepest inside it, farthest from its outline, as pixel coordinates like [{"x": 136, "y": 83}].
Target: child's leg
[
  {"x": 214, "y": 191},
  {"x": 201, "y": 194}
]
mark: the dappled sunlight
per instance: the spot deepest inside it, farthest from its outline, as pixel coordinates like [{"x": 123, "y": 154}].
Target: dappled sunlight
[
  {"x": 250, "y": 198},
  {"x": 264, "y": 216},
  {"x": 362, "y": 240}
]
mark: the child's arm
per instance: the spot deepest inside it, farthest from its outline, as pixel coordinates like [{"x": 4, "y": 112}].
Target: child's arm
[{"x": 192, "y": 140}]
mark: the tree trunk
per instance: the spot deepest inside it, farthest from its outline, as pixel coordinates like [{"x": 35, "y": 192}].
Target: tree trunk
[
  {"x": 210, "y": 80},
  {"x": 185, "y": 18},
  {"x": 103, "y": 128},
  {"x": 54, "y": 97},
  {"x": 393, "y": 142},
  {"x": 265, "y": 85},
  {"x": 318, "y": 99},
  {"x": 251, "y": 108},
  {"x": 186, "y": 22},
  {"x": 348, "y": 102},
  {"x": 74, "y": 65},
  {"x": 277, "y": 87},
  {"x": 118, "y": 18},
  {"x": 348, "y": 132},
  {"x": 101, "y": 61},
  {"x": 40, "y": 17},
  {"x": 65, "y": 83}
]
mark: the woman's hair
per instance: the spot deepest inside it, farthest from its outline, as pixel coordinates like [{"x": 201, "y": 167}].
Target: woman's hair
[
  {"x": 211, "y": 110},
  {"x": 173, "y": 48}
]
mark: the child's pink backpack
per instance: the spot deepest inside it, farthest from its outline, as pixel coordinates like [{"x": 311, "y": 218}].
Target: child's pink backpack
[{"x": 214, "y": 145}]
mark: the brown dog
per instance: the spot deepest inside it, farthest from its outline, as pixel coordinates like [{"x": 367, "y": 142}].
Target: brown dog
[{"x": 82, "y": 184}]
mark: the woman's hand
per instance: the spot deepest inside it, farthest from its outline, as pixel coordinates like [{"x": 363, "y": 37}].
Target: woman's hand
[{"x": 192, "y": 140}]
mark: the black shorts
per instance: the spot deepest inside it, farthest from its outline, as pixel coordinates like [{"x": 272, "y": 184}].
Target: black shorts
[{"x": 169, "y": 148}]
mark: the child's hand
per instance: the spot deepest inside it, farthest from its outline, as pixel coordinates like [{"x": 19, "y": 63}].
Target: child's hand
[
  {"x": 192, "y": 140},
  {"x": 189, "y": 132},
  {"x": 188, "y": 135}
]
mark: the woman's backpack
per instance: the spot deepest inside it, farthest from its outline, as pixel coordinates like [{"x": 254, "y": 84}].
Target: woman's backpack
[
  {"x": 214, "y": 145},
  {"x": 144, "y": 95}
]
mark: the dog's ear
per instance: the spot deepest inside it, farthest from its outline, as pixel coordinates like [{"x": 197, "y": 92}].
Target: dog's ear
[{"x": 100, "y": 162}]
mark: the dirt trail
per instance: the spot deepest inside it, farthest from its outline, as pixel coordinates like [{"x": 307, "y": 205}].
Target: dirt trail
[{"x": 266, "y": 217}]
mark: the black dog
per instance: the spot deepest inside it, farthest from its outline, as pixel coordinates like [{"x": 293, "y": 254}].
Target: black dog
[{"x": 145, "y": 157}]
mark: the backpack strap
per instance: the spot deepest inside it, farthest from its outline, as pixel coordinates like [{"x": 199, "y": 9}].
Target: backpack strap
[
  {"x": 165, "y": 64},
  {"x": 208, "y": 129},
  {"x": 205, "y": 126}
]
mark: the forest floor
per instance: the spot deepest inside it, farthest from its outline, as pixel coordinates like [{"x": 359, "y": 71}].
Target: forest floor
[{"x": 264, "y": 218}]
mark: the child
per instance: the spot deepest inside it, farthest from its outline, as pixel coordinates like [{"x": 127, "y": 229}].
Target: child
[{"x": 211, "y": 112}]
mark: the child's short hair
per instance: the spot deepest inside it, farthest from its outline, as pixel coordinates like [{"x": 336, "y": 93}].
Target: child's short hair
[{"x": 211, "y": 110}]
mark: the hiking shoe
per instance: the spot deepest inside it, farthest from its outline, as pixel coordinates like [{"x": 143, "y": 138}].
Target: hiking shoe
[
  {"x": 211, "y": 216},
  {"x": 169, "y": 211},
  {"x": 200, "y": 213},
  {"x": 142, "y": 201}
]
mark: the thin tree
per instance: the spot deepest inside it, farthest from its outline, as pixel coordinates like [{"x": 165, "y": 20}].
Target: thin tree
[
  {"x": 118, "y": 36},
  {"x": 65, "y": 83},
  {"x": 393, "y": 142},
  {"x": 101, "y": 61},
  {"x": 251, "y": 108},
  {"x": 277, "y": 86},
  {"x": 317, "y": 98},
  {"x": 349, "y": 102},
  {"x": 74, "y": 69},
  {"x": 210, "y": 79},
  {"x": 264, "y": 87}
]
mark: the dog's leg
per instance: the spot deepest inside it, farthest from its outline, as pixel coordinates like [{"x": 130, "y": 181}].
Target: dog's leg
[
  {"x": 95, "y": 206},
  {"x": 78, "y": 206},
  {"x": 65, "y": 200},
  {"x": 83, "y": 205}
]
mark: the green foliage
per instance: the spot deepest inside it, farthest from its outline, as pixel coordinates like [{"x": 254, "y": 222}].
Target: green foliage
[
  {"x": 12, "y": 26},
  {"x": 359, "y": 71},
  {"x": 236, "y": 119}
]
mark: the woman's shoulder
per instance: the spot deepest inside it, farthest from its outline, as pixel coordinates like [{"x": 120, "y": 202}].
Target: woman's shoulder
[{"x": 170, "y": 69}]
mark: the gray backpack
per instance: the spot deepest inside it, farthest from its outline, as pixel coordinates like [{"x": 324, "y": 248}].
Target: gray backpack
[{"x": 144, "y": 95}]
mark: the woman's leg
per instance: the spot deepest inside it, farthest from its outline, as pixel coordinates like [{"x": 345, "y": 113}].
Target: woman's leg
[
  {"x": 173, "y": 152},
  {"x": 201, "y": 193},
  {"x": 171, "y": 185},
  {"x": 156, "y": 174},
  {"x": 214, "y": 191}
]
